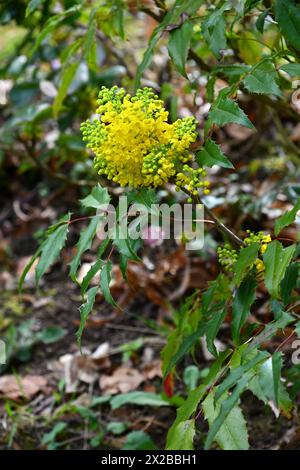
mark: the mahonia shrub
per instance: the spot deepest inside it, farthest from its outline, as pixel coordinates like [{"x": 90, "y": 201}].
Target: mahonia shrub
[{"x": 244, "y": 52}]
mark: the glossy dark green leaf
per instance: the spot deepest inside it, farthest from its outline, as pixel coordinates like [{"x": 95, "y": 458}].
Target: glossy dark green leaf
[
  {"x": 84, "y": 243},
  {"x": 276, "y": 260},
  {"x": 243, "y": 299},
  {"x": 289, "y": 282},
  {"x": 245, "y": 260},
  {"x": 85, "y": 311},
  {"x": 179, "y": 44},
  {"x": 287, "y": 14},
  {"x": 211, "y": 155},
  {"x": 225, "y": 111},
  {"x": 105, "y": 277},
  {"x": 287, "y": 218},
  {"x": 51, "y": 248}
]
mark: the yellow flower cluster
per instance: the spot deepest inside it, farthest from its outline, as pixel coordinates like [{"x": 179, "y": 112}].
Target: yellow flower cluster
[
  {"x": 263, "y": 239},
  {"x": 135, "y": 145},
  {"x": 228, "y": 256}
]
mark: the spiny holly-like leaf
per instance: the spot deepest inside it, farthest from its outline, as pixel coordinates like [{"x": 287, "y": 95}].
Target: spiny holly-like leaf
[
  {"x": 51, "y": 247},
  {"x": 179, "y": 44},
  {"x": 98, "y": 197},
  {"x": 225, "y": 111},
  {"x": 287, "y": 14},
  {"x": 242, "y": 302},
  {"x": 287, "y": 218},
  {"x": 276, "y": 260},
  {"x": 211, "y": 154},
  {"x": 84, "y": 243},
  {"x": 105, "y": 277},
  {"x": 232, "y": 434},
  {"x": 214, "y": 28},
  {"x": 85, "y": 310},
  {"x": 190, "y": 404},
  {"x": 245, "y": 260},
  {"x": 227, "y": 405},
  {"x": 263, "y": 79}
]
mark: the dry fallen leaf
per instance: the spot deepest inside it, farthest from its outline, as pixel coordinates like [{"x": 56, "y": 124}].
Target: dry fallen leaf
[
  {"x": 124, "y": 379},
  {"x": 22, "y": 387},
  {"x": 84, "y": 368},
  {"x": 153, "y": 369}
]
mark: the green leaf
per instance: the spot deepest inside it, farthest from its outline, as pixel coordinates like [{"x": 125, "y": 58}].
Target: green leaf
[
  {"x": 276, "y": 366},
  {"x": 51, "y": 436},
  {"x": 85, "y": 310},
  {"x": 27, "y": 269},
  {"x": 171, "y": 17},
  {"x": 96, "y": 266},
  {"x": 211, "y": 155},
  {"x": 138, "y": 440},
  {"x": 233, "y": 71},
  {"x": 242, "y": 302},
  {"x": 287, "y": 218},
  {"x": 190, "y": 405},
  {"x": 287, "y": 14},
  {"x": 292, "y": 69},
  {"x": 232, "y": 434},
  {"x": 124, "y": 243},
  {"x": 227, "y": 405},
  {"x": 84, "y": 243},
  {"x": 271, "y": 385},
  {"x": 69, "y": 51},
  {"x": 245, "y": 260},
  {"x": 191, "y": 376},
  {"x": 263, "y": 79},
  {"x": 289, "y": 282},
  {"x": 68, "y": 74},
  {"x": 179, "y": 44},
  {"x": 99, "y": 196},
  {"x": 276, "y": 259},
  {"x": 260, "y": 22},
  {"x": 105, "y": 277},
  {"x": 51, "y": 334},
  {"x": 184, "y": 345},
  {"x": 214, "y": 28},
  {"x": 184, "y": 436},
  {"x": 138, "y": 398},
  {"x": 212, "y": 329},
  {"x": 90, "y": 42},
  {"x": 225, "y": 110},
  {"x": 51, "y": 247},
  {"x": 234, "y": 376},
  {"x": 33, "y": 5},
  {"x": 51, "y": 24}
]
